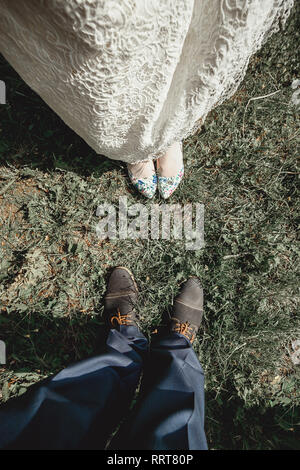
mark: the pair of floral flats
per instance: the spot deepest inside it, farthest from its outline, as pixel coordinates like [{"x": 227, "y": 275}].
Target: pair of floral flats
[{"x": 166, "y": 185}]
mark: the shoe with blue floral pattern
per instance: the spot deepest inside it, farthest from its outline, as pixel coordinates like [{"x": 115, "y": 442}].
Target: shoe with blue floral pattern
[
  {"x": 168, "y": 184},
  {"x": 143, "y": 178}
]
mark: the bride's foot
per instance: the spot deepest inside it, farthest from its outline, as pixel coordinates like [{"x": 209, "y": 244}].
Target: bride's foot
[
  {"x": 143, "y": 177},
  {"x": 170, "y": 170}
]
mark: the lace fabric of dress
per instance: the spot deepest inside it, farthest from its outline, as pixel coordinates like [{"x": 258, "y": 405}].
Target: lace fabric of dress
[{"x": 133, "y": 77}]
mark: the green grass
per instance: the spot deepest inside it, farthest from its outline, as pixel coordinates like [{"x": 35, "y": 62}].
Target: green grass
[{"x": 53, "y": 269}]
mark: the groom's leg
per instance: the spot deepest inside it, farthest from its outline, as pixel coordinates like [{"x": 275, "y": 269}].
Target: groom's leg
[
  {"x": 80, "y": 406},
  {"x": 170, "y": 412}
]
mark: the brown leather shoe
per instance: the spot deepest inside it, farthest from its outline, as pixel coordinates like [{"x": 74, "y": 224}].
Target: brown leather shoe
[
  {"x": 120, "y": 298},
  {"x": 187, "y": 311}
]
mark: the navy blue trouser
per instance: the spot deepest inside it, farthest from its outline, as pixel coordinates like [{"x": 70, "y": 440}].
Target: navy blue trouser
[{"x": 82, "y": 405}]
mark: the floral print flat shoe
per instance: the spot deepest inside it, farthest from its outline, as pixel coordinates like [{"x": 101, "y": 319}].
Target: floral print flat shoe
[
  {"x": 168, "y": 184},
  {"x": 146, "y": 186}
]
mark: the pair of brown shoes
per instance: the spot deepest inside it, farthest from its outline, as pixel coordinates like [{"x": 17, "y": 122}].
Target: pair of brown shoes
[{"x": 121, "y": 299}]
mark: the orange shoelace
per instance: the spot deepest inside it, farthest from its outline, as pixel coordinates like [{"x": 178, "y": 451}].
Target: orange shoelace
[
  {"x": 121, "y": 319},
  {"x": 185, "y": 329}
]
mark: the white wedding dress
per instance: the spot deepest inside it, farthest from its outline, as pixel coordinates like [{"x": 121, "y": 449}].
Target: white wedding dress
[{"x": 131, "y": 77}]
